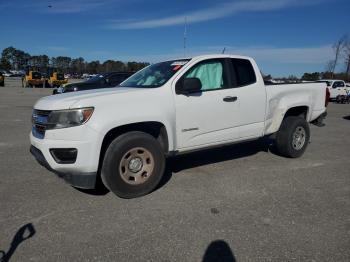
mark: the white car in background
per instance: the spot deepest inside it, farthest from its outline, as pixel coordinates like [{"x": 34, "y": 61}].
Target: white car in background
[{"x": 6, "y": 73}]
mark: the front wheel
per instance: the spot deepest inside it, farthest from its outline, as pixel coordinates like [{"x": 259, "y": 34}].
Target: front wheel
[
  {"x": 133, "y": 165},
  {"x": 293, "y": 137}
]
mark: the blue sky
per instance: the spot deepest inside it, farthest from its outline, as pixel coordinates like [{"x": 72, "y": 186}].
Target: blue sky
[{"x": 285, "y": 37}]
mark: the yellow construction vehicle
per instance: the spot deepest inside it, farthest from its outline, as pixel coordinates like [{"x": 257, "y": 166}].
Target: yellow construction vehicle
[
  {"x": 57, "y": 79},
  {"x": 33, "y": 79}
]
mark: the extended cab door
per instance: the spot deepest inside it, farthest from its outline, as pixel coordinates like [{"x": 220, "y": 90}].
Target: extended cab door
[
  {"x": 210, "y": 116},
  {"x": 251, "y": 96}
]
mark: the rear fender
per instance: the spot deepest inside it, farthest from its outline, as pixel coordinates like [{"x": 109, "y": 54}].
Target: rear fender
[{"x": 279, "y": 106}]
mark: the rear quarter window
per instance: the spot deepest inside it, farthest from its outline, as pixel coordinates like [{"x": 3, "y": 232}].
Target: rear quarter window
[{"x": 244, "y": 72}]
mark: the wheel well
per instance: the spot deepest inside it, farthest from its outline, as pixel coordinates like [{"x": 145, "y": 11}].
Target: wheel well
[
  {"x": 155, "y": 129},
  {"x": 297, "y": 111}
]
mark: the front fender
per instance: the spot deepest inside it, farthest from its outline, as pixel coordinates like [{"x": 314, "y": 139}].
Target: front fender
[{"x": 138, "y": 120}]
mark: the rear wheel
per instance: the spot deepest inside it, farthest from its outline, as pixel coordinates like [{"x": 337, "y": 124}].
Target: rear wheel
[
  {"x": 293, "y": 137},
  {"x": 133, "y": 165}
]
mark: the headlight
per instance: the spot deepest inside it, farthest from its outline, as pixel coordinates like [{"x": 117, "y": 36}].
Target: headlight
[{"x": 69, "y": 118}]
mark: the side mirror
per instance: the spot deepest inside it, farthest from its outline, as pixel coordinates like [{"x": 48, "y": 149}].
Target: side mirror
[{"x": 191, "y": 85}]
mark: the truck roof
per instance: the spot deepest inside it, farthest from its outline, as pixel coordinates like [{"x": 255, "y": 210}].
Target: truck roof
[
  {"x": 209, "y": 56},
  {"x": 221, "y": 56}
]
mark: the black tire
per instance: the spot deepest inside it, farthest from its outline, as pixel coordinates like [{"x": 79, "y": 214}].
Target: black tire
[
  {"x": 115, "y": 156},
  {"x": 285, "y": 144}
]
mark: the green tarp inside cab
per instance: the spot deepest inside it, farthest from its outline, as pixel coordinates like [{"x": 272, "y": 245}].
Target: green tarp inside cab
[{"x": 209, "y": 73}]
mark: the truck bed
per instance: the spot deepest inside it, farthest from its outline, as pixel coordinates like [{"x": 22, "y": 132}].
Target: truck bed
[{"x": 279, "y": 96}]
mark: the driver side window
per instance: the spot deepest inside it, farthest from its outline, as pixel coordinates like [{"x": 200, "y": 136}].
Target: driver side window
[{"x": 210, "y": 73}]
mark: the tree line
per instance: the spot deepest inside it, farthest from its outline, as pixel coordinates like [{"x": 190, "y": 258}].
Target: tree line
[
  {"x": 12, "y": 58},
  {"x": 15, "y": 59}
]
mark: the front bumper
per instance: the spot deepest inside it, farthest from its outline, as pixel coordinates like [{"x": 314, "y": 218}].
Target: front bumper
[
  {"x": 58, "y": 82},
  {"x": 36, "y": 82},
  {"x": 79, "y": 173},
  {"x": 85, "y": 180}
]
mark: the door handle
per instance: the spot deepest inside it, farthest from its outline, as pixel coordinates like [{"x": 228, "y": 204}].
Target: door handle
[{"x": 230, "y": 99}]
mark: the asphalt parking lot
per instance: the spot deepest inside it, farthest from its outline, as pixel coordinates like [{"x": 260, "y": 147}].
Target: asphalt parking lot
[{"x": 237, "y": 203}]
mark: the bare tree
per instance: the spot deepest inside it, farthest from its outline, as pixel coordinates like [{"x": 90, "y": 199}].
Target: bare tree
[
  {"x": 347, "y": 58},
  {"x": 338, "y": 47},
  {"x": 329, "y": 66}
]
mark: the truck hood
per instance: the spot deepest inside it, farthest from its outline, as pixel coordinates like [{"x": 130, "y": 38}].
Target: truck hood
[{"x": 71, "y": 100}]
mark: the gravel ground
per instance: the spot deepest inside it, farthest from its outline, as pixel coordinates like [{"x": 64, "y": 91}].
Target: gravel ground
[{"x": 236, "y": 203}]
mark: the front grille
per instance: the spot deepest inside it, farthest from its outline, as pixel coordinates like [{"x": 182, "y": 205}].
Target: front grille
[{"x": 40, "y": 122}]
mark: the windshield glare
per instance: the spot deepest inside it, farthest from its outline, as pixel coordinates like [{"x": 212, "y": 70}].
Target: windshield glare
[{"x": 155, "y": 75}]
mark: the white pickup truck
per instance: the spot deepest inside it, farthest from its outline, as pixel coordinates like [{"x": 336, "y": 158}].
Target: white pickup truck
[
  {"x": 336, "y": 87},
  {"x": 124, "y": 134}
]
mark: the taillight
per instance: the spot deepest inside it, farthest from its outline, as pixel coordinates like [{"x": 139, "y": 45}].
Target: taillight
[{"x": 328, "y": 94}]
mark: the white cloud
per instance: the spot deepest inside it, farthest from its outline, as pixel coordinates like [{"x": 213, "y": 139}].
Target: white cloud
[{"x": 212, "y": 13}]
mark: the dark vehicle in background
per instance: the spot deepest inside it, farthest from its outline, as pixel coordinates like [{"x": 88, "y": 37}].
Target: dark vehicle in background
[
  {"x": 105, "y": 80},
  {"x": 2, "y": 79}
]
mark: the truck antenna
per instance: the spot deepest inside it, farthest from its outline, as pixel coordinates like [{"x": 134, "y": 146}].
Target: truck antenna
[{"x": 185, "y": 36}]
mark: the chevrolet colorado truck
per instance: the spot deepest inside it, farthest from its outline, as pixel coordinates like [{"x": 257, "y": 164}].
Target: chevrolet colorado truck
[{"x": 123, "y": 135}]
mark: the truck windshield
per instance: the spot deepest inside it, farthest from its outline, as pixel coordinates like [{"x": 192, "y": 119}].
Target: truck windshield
[
  {"x": 60, "y": 76},
  {"x": 36, "y": 75},
  {"x": 155, "y": 75}
]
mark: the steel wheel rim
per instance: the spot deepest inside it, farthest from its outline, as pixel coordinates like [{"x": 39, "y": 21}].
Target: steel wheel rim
[
  {"x": 136, "y": 166},
  {"x": 299, "y": 138}
]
